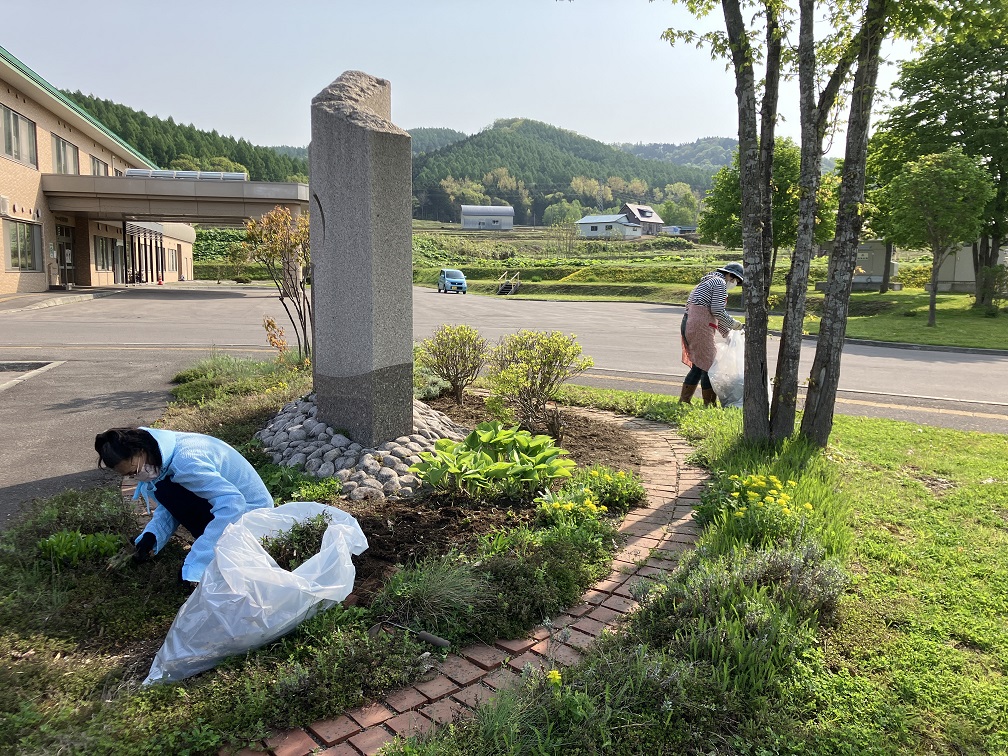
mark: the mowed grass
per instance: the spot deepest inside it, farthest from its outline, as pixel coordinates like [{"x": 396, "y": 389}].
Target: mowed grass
[{"x": 918, "y": 660}]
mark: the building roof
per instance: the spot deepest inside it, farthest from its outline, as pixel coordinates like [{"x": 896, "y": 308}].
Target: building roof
[
  {"x": 19, "y": 75},
  {"x": 621, "y": 219},
  {"x": 638, "y": 210},
  {"x": 488, "y": 210}
]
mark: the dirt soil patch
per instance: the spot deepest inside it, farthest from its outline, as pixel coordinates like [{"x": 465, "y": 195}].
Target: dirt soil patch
[{"x": 407, "y": 531}]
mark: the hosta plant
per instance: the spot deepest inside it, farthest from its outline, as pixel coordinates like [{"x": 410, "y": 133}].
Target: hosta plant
[{"x": 494, "y": 461}]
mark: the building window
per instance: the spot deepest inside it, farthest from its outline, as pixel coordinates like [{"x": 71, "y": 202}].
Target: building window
[
  {"x": 608, "y": 227},
  {"x": 65, "y": 156},
  {"x": 104, "y": 251},
  {"x": 594, "y": 228},
  {"x": 98, "y": 167},
  {"x": 118, "y": 172},
  {"x": 24, "y": 244},
  {"x": 18, "y": 137}
]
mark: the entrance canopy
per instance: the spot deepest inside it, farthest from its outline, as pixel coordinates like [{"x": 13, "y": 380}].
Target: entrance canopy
[{"x": 186, "y": 200}]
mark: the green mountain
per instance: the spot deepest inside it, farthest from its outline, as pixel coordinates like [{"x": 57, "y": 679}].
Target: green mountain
[
  {"x": 709, "y": 153},
  {"x": 165, "y": 141},
  {"x": 548, "y": 165},
  {"x": 429, "y": 139}
]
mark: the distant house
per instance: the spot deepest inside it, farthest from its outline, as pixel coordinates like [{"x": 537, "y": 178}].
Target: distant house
[
  {"x": 608, "y": 227},
  {"x": 488, "y": 217},
  {"x": 650, "y": 222}
]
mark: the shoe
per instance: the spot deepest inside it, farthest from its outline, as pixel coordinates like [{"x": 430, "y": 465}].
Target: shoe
[
  {"x": 709, "y": 398},
  {"x": 687, "y": 393}
]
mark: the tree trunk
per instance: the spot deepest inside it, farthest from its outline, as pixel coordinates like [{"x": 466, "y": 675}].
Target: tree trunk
[
  {"x": 785, "y": 397},
  {"x": 755, "y": 418},
  {"x": 817, "y": 421},
  {"x": 813, "y": 130},
  {"x": 933, "y": 299},
  {"x": 889, "y": 249}
]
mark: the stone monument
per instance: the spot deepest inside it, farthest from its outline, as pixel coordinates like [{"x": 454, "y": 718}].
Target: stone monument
[{"x": 362, "y": 260}]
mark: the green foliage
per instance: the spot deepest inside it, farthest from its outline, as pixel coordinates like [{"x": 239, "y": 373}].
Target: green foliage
[
  {"x": 70, "y": 547},
  {"x": 218, "y": 270},
  {"x": 164, "y": 140},
  {"x": 914, "y": 276},
  {"x": 572, "y": 506},
  {"x": 293, "y": 547},
  {"x": 223, "y": 375},
  {"x": 215, "y": 243},
  {"x": 493, "y": 462},
  {"x": 431, "y": 139},
  {"x": 992, "y": 287},
  {"x": 455, "y": 354},
  {"x": 617, "y": 490},
  {"x": 426, "y": 385},
  {"x": 527, "y": 368}
]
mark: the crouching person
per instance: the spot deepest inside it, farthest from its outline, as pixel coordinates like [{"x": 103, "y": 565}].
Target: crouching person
[{"x": 196, "y": 481}]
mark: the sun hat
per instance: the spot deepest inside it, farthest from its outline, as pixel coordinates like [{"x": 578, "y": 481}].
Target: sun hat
[{"x": 734, "y": 269}]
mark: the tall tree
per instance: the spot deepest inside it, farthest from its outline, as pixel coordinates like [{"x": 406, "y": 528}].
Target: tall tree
[
  {"x": 938, "y": 202},
  {"x": 955, "y": 94}
]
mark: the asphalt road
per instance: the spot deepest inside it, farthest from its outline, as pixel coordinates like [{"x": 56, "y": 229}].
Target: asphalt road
[{"x": 118, "y": 354}]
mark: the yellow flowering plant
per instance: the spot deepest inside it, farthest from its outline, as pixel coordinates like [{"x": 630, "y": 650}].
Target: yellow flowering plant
[
  {"x": 760, "y": 510},
  {"x": 617, "y": 490},
  {"x": 572, "y": 506}
]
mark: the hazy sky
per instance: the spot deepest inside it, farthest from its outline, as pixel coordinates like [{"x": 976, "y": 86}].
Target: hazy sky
[{"x": 250, "y": 68}]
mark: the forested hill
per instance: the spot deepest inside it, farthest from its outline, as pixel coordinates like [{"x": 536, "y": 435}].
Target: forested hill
[
  {"x": 550, "y": 163},
  {"x": 429, "y": 139},
  {"x": 709, "y": 153},
  {"x": 166, "y": 142}
]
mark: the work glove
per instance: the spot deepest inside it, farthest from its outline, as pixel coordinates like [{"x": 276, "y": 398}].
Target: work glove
[
  {"x": 737, "y": 326},
  {"x": 144, "y": 548}
]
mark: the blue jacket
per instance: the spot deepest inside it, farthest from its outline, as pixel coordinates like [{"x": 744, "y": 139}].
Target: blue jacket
[{"x": 213, "y": 470}]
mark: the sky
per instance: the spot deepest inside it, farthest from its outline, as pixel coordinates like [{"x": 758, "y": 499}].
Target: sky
[{"x": 249, "y": 68}]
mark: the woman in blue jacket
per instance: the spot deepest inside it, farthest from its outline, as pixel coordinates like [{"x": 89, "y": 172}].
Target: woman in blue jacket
[{"x": 196, "y": 481}]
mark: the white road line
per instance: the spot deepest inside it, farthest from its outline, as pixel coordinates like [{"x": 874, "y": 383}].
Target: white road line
[{"x": 29, "y": 374}]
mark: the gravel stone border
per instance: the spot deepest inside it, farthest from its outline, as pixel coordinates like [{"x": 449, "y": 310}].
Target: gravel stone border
[{"x": 294, "y": 438}]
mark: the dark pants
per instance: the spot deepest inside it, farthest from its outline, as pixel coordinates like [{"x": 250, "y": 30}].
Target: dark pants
[
  {"x": 192, "y": 511},
  {"x": 695, "y": 375}
]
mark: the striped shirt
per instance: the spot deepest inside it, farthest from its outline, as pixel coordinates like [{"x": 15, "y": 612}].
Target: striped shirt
[{"x": 712, "y": 293}]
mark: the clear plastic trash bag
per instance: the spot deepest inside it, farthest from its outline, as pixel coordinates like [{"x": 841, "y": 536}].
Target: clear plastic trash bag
[
  {"x": 246, "y": 600},
  {"x": 727, "y": 373}
]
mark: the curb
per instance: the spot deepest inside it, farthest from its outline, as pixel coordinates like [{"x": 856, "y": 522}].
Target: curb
[
  {"x": 57, "y": 301},
  {"x": 656, "y": 534}
]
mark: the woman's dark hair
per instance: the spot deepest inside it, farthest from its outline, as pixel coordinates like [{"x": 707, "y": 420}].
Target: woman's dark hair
[{"x": 118, "y": 444}]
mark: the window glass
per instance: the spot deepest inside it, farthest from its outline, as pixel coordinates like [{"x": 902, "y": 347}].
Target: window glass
[
  {"x": 104, "y": 252},
  {"x": 98, "y": 167},
  {"x": 18, "y": 137},
  {"x": 24, "y": 241},
  {"x": 65, "y": 156}
]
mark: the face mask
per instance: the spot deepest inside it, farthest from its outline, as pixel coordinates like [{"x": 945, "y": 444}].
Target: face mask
[
  {"x": 731, "y": 284},
  {"x": 146, "y": 474}
]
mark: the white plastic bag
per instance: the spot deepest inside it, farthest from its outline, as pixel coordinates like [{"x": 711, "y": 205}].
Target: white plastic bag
[
  {"x": 246, "y": 600},
  {"x": 727, "y": 373}
]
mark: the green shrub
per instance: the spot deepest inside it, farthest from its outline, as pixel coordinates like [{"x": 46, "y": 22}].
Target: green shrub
[
  {"x": 215, "y": 243},
  {"x": 617, "y": 490},
  {"x": 492, "y": 462},
  {"x": 455, "y": 354},
  {"x": 572, "y": 506},
  {"x": 526, "y": 369},
  {"x": 426, "y": 385},
  {"x": 914, "y": 276},
  {"x": 293, "y": 547}
]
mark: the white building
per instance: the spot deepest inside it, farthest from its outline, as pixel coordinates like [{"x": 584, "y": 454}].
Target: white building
[
  {"x": 608, "y": 227},
  {"x": 488, "y": 217}
]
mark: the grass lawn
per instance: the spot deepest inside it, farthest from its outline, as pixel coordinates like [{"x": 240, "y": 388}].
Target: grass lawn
[{"x": 911, "y": 658}]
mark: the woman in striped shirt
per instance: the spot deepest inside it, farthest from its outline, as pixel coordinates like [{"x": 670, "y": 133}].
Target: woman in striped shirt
[{"x": 705, "y": 313}]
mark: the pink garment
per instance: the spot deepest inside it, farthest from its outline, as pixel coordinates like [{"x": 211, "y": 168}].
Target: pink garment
[{"x": 698, "y": 346}]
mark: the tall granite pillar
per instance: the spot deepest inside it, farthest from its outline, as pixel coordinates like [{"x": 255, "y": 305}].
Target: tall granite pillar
[{"x": 362, "y": 260}]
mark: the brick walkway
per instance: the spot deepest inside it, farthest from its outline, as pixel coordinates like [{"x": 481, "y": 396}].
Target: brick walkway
[{"x": 655, "y": 533}]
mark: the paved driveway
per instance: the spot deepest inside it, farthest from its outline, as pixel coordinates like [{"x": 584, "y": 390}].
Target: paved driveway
[{"x": 119, "y": 354}]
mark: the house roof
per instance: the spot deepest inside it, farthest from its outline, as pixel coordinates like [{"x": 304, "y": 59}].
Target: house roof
[
  {"x": 18, "y": 74},
  {"x": 622, "y": 219},
  {"x": 639, "y": 209},
  {"x": 488, "y": 210}
]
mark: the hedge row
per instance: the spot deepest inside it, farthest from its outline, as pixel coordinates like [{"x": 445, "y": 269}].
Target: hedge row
[{"x": 218, "y": 270}]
